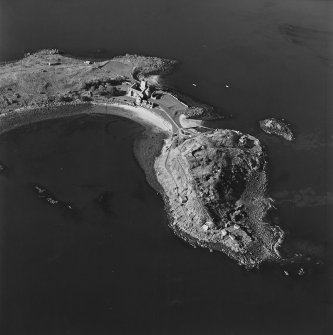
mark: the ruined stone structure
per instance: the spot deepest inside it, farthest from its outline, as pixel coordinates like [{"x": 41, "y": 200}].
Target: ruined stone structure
[{"x": 140, "y": 91}]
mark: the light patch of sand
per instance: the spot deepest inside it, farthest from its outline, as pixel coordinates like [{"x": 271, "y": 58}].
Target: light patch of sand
[
  {"x": 146, "y": 117},
  {"x": 141, "y": 115},
  {"x": 189, "y": 123}
]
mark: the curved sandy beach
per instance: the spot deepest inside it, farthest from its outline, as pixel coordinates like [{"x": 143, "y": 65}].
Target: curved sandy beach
[
  {"x": 141, "y": 115},
  {"x": 146, "y": 117}
]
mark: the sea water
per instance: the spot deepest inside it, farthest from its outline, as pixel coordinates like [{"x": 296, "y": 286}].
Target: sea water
[{"x": 112, "y": 265}]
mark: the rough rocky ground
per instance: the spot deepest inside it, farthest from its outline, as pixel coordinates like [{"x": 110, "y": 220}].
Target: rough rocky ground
[
  {"x": 215, "y": 184},
  {"x": 277, "y": 127}
]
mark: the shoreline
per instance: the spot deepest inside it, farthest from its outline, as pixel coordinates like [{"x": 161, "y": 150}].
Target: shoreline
[
  {"x": 213, "y": 181},
  {"x": 18, "y": 118}
]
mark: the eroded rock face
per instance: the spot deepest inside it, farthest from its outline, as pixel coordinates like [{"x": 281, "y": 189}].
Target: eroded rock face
[
  {"x": 215, "y": 188},
  {"x": 277, "y": 127}
]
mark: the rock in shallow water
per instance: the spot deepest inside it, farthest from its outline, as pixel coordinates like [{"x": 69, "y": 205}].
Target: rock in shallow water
[{"x": 277, "y": 127}]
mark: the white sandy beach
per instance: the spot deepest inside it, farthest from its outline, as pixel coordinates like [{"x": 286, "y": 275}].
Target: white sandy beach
[{"x": 141, "y": 115}]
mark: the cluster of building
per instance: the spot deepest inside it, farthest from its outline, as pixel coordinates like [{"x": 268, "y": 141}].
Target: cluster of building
[{"x": 142, "y": 92}]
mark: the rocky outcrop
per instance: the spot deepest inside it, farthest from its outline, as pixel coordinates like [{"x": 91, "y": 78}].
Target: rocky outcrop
[
  {"x": 277, "y": 127},
  {"x": 48, "y": 197},
  {"x": 215, "y": 188}
]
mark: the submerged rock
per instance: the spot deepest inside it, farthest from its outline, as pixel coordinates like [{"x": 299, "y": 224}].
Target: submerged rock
[
  {"x": 277, "y": 127},
  {"x": 48, "y": 197},
  {"x": 3, "y": 167},
  {"x": 301, "y": 272},
  {"x": 104, "y": 201}
]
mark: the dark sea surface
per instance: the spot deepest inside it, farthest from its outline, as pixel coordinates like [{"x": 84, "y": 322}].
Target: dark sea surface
[{"x": 111, "y": 265}]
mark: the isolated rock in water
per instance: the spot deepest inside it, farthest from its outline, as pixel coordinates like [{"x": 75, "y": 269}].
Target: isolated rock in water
[{"x": 277, "y": 127}]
